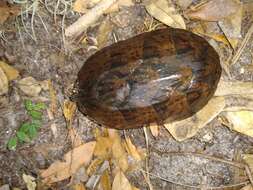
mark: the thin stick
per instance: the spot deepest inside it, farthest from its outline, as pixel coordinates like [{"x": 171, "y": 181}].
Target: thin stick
[
  {"x": 243, "y": 45},
  {"x": 90, "y": 17}
]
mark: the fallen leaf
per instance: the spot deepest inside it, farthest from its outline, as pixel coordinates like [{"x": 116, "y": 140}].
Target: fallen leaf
[
  {"x": 248, "y": 187},
  {"x": 29, "y": 86},
  {"x": 132, "y": 150},
  {"x": 203, "y": 30},
  {"x": 7, "y": 11},
  {"x": 135, "y": 188},
  {"x": 79, "y": 176},
  {"x": 115, "y": 7},
  {"x": 118, "y": 152},
  {"x": 187, "y": 128},
  {"x": 121, "y": 182},
  {"x": 95, "y": 164},
  {"x": 154, "y": 128},
  {"x": 94, "y": 179},
  {"x": 184, "y": 3},
  {"x": 29, "y": 181},
  {"x": 74, "y": 159},
  {"x": 103, "y": 32},
  {"x": 103, "y": 149},
  {"x": 80, "y": 6},
  {"x": 231, "y": 27},
  {"x": 241, "y": 121},
  {"x": 105, "y": 181},
  {"x": 214, "y": 10},
  {"x": 233, "y": 88},
  {"x": 164, "y": 11},
  {"x": 10, "y": 71},
  {"x": 4, "y": 84},
  {"x": 69, "y": 109},
  {"x": 79, "y": 186}
]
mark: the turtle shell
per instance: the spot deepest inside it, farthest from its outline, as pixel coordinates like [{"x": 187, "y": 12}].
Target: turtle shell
[{"x": 163, "y": 75}]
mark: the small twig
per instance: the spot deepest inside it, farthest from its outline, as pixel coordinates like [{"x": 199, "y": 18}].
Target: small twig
[
  {"x": 242, "y": 46},
  {"x": 90, "y": 17}
]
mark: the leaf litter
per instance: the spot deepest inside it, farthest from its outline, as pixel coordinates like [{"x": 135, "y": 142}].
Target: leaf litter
[{"x": 112, "y": 140}]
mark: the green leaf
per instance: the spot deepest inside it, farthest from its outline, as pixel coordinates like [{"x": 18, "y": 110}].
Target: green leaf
[
  {"x": 36, "y": 115},
  {"x": 40, "y": 106},
  {"x": 25, "y": 127},
  {"x": 32, "y": 131},
  {"x": 12, "y": 143},
  {"x": 29, "y": 105},
  {"x": 22, "y": 136}
]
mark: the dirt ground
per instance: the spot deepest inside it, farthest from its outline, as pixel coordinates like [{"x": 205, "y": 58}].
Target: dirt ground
[{"x": 50, "y": 56}]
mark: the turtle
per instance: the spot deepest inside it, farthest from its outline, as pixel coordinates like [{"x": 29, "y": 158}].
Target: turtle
[{"x": 161, "y": 76}]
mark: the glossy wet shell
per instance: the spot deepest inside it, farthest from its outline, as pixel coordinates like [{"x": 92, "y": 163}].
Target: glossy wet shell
[{"x": 158, "y": 76}]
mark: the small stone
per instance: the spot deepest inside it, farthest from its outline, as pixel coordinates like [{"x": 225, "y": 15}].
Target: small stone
[
  {"x": 207, "y": 137},
  {"x": 30, "y": 86}
]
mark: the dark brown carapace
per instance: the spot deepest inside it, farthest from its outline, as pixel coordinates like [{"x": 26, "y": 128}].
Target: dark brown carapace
[{"x": 167, "y": 74}]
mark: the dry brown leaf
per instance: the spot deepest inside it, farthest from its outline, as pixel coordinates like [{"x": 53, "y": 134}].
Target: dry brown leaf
[
  {"x": 199, "y": 29},
  {"x": 154, "y": 128},
  {"x": 115, "y": 7},
  {"x": 135, "y": 188},
  {"x": 29, "y": 86},
  {"x": 121, "y": 182},
  {"x": 74, "y": 159},
  {"x": 164, "y": 11},
  {"x": 233, "y": 87},
  {"x": 132, "y": 150},
  {"x": 187, "y": 128},
  {"x": 29, "y": 181},
  {"x": 10, "y": 71},
  {"x": 79, "y": 186},
  {"x": 4, "y": 84},
  {"x": 105, "y": 181},
  {"x": 214, "y": 10},
  {"x": 118, "y": 152},
  {"x": 242, "y": 121},
  {"x": 95, "y": 164},
  {"x": 69, "y": 109},
  {"x": 231, "y": 26},
  {"x": 7, "y": 11},
  {"x": 184, "y": 3},
  {"x": 248, "y": 187},
  {"x": 103, "y": 32},
  {"x": 103, "y": 148},
  {"x": 81, "y": 6}
]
